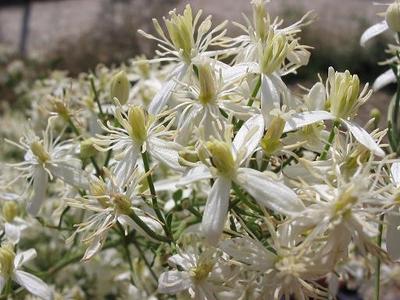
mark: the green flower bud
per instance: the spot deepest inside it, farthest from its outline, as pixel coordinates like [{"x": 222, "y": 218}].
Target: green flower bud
[
  {"x": 271, "y": 142},
  {"x": 87, "y": 149},
  {"x": 393, "y": 16},
  {"x": 138, "y": 121},
  {"x": 10, "y": 210},
  {"x": 207, "y": 82},
  {"x": 221, "y": 157},
  {"x": 120, "y": 87},
  {"x": 39, "y": 151}
]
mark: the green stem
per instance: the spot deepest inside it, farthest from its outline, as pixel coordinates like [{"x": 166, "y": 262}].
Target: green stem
[
  {"x": 143, "y": 256},
  {"x": 251, "y": 100},
  {"x": 378, "y": 260},
  {"x": 127, "y": 251},
  {"x": 96, "y": 97},
  {"x": 147, "y": 229},
  {"x": 154, "y": 199},
  {"x": 324, "y": 153}
]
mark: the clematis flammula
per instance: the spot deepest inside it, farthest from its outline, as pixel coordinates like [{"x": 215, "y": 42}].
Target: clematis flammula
[
  {"x": 343, "y": 98},
  {"x": 194, "y": 273},
  {"x": 111, "y": 204},
  {"x": 185, "y": 41},
  {"x": 223, "y": 162},
  {"x": 46, "y": 159},
  {"x": 10, "y": 265},
  {"x": 12, "y": 221},
  {"x": 140, "y": 132}
]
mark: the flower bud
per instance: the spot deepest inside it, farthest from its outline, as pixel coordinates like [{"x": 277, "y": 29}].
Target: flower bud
[
  {"x": 344, "y": 92},
  {"x": 376, "y": 115},
  {"x": 221, "y": 157},
  {"x": 7, "y": 256},
  {"x": 137, "y": 120},
  {"x": 261, "y": 19},
  {"x": 271, "y": 142},
  {"x": 39, "y": 151},
  {"x": 120, "y": 87},
  {"x": 393, "y": 16},
  {"x": 87, "y": 149},
  {"x": 10, "y": 210},
  {"x": 207, "y": 82}
]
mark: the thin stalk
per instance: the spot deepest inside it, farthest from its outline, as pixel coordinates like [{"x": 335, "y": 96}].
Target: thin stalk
[
  {"x": 154, "y": 199},
  {"x": 125, "y": 246},
  {"x": 147, "y": 229},
  {"x": 96, "y": 97},
  {"x": 378, "y": 261},
  {"x": 143, "y": 256},
  {"x": 324, "y": 153},
  {"x": 251, "y": 100}
]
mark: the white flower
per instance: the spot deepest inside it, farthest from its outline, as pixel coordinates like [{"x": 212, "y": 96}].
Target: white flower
[
  {"x": 10, "y": 265},
  {"x": 225, "y": 166},
  {"x": 46, "y": 159},
  {"x": 193, "y": 275}
]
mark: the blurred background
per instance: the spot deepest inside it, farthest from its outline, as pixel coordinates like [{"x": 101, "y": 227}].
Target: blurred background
[{"x": 76, "y": 35}]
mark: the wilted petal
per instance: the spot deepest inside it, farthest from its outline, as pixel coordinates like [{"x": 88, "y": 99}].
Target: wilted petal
[
  {"x": 216, "y": 209},
  {"x": 393, "y": 235},
  {"x": 373, "y": 31},
  {"x": 249, "y": 136},
  {"x": 364, "y": 138},
  {"x": 172, "y": 282},
  {"x": 40, "y": 181},
  {"x": 33, "y": 284},
  {"x": 95, "y": 246},
  {"x": 302, "y": 119},
  {"x": 269, "y": 192},
  {"x": 162, "y": 97},
  {"x": 384, "y": 79}
]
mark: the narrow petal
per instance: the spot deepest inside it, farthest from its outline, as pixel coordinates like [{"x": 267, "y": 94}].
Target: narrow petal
[
  {"x": 316, "y": 97},
  {"x": 239, "y": 70},
  {"x": 2, "y": 283},
  {"x": 249, "y": 136},
  {"x": 302, "y": 119},
  {"x": 373, "y": 31},
  {"x": 22, "y": 257},
  {"x": 384, "y": 79},
  {"x": 165, "y": 152},
  {"x": 162, "y": 97},
  {"x": 33, "y": 284},
  {"x": 198, "y": 173},
  {"x": 13, "y": 232},
  {"x": 125, "y": 167},
  {"x": 393, "y": 235},
  {"x": 70, "y": 174},
  {"x": 364, "y": 138},
  {"x": 40, "y": 181},
  {"x": 269, "y": 192},
  {"x": 216, "y": 209},
  {"x": 395, "y": 170},
  {"x": 270, "y": 98},
  {"x": 172, "y": 282}
]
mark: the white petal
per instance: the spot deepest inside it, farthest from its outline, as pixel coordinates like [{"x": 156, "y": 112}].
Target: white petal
[
  {"x": 71, "y": 175},
  {"x": 23, "y": 257},
  {"x": 249, "y": 136},
  {"x": 249, "y": 252},
  {"x": 125, "y": 167},
  {"x": 172, "y": 282},
  {"x": 373, "y": 31},
  {"x": 184, "y": 260},
  {"x": 33, "y": 284},
  {"x": 13, "y": 233},
  {"x": 384, "y": 79},
  {"x": 40, "y": 181},
  {"x": 395, "y": 171},
  {"x": 269, "y": 192},
  {"x": 393, "y": 235},
  {"x": 239, "y": 70},
  {"x": 186, "y": 122},
  {"x": 166, "y": 184},
  {"x": 95, "y": 246},
  {"x": 364, "y": 138},
  {"x": 165, "y": 152},
  {"x": 198, "y": 173},
  {"x": 216, "y": 209},
  {"x": 316, "y": 97},
  {"x": 302, "y": 119},
  {"x": 270, "y": 98},
  {"x": 162, "y": 97}
]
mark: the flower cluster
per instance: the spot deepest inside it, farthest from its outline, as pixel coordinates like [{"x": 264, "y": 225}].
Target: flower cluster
[{"x": 200, "y": 173}]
